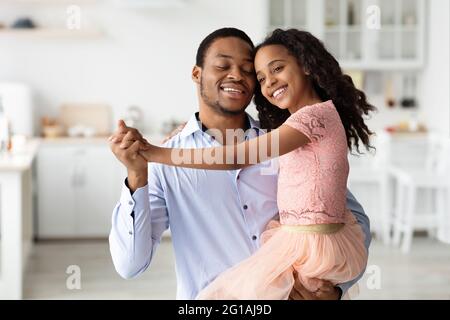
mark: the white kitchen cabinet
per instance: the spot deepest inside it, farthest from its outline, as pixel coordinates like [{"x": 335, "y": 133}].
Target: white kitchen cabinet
[
  {"x": 55, "y": 192},
  {"x": 361, "y": 34},
  {"x": 78, "y": 185}
]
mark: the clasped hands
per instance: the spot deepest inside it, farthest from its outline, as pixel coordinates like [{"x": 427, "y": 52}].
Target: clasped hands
[{"x": 128, "y": 142}]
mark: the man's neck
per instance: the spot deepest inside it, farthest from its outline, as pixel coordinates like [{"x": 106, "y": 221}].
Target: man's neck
[{"x": 210, "y": 119}]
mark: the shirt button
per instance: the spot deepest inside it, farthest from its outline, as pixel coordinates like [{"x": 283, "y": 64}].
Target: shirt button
[
  {"x": 245, "y": 207},
  {"x": 237, "y": 177},
  {"x": 130, "y": 232},
  {"x": 254, "y": 237},
  {"x": 130, "y": 203}
]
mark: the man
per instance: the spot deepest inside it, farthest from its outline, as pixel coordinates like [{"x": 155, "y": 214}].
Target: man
[{"x": 215, "y": 217}]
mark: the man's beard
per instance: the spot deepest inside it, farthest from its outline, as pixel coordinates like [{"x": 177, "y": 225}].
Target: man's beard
[{"x": 215, "y": 105}]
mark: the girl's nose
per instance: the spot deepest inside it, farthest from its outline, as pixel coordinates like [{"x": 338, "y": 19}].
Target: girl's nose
[{"x": 270, "y": 81}]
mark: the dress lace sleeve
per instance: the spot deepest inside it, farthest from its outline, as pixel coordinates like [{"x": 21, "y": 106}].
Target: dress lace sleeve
[{"x": 311, "y": 121}]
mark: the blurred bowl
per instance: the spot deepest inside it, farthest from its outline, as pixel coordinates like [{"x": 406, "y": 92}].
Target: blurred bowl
[{"x": 52, "y": 131}]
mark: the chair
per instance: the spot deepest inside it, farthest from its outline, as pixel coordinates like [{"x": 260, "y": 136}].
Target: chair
[
  {"x": 443, "y": 233},
  {"x": 434, "y": 177},
  {"x": 373, "y": 170}
]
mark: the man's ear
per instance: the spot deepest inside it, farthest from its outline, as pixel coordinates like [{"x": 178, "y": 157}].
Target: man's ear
[{"x": 196, "y": 74}]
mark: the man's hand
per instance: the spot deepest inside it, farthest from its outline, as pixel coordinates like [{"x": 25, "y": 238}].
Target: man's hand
[
  {"x": 326, "y": 291},
  {"x": 127, "y": 136},
  {"x": 126, "y": 143}
]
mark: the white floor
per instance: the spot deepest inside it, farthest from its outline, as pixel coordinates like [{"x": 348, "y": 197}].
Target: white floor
[{"x": 423, "y": 274}]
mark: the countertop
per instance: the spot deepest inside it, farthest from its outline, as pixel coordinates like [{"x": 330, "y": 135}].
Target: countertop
[
  {"x": 152, "y": 138},
  {"x": 20, "y": 159},
  {"x": 74, "y": 140}
]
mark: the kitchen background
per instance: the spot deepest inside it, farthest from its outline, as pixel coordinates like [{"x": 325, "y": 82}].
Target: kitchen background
[{"x": 70, "y": 69}]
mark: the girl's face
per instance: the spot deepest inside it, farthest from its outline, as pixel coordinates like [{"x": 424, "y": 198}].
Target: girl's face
[{"x": 282, "y": 80}]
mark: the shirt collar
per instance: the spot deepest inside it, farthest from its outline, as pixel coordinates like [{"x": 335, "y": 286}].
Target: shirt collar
[{"x": 193, "y": 125}]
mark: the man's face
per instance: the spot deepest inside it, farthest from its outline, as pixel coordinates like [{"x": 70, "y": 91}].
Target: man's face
[{"x": 227, "y": 79}]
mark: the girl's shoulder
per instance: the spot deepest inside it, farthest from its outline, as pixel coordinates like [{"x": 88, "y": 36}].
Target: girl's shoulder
[
  {"x": 315, "y": 120},
  {"x": 317, "y": 108},
  {"x": 323, "y": 111}
]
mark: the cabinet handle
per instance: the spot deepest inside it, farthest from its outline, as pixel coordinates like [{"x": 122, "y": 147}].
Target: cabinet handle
[
  {"x": 81, "y": 177},
  {"x": 74, "y": 178},
  {"x": 78, "y": 176}
]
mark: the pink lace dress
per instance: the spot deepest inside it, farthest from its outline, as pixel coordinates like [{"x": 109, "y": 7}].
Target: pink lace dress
[{"x": 317, "y": 236}]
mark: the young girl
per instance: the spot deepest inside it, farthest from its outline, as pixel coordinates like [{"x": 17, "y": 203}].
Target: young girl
[{"x": 317, "y": 118}]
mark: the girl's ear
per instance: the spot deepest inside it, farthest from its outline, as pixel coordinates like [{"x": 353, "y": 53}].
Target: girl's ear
[{"x": 196, "y": 74}]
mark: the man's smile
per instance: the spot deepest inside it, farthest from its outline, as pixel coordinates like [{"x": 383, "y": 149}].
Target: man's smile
[{"x": 233, "y": 90}]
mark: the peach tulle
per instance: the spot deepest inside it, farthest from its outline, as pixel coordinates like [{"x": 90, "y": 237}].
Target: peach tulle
[{"x": 268, "y": 274}]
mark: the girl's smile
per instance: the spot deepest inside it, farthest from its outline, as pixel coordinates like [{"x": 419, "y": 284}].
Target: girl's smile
[{"x": 278, "y": 93}]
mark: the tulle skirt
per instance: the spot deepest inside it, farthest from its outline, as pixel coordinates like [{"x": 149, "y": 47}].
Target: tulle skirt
[{"x": 269, "y": 273}]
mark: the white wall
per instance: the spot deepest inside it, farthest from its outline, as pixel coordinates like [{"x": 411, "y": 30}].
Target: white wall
[
  {"x": 145, "y": 57},
  {"x": 436, "y": 76}
]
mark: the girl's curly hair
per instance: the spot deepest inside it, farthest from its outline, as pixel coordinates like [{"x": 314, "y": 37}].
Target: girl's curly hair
[{"x": 327, "y": 80}]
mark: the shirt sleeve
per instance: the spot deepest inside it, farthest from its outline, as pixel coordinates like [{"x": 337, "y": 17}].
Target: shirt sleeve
[
  {"x": 311, "y": 121},
  {"x": 138, "y": 222},
  {"x": 364, "y": 222}
]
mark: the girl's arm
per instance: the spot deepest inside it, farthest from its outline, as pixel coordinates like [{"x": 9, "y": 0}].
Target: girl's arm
[{"x": 231, "y": 157}]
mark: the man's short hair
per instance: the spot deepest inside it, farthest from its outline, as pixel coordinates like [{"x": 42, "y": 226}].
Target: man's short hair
[{"x": 218, "y": 34}]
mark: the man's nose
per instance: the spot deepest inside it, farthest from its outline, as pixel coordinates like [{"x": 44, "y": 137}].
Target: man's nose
[{"x": 235, "y": 74}]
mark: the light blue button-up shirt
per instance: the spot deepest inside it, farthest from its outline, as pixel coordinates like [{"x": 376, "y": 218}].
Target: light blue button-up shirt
[{"x": 215, "y": 217}]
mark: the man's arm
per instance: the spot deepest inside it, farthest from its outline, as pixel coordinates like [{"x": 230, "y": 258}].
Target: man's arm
[
  {"x": 140, "y": 217},
  {"x": 364, "y": 222},
  {"x": 138, "y": 222}
]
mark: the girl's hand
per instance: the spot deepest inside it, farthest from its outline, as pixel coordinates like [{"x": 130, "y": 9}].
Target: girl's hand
[
  {"x": 148, "y": 152},
  {"x": 129, "y": 138},
  {"x": 126, "y": 136}
]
